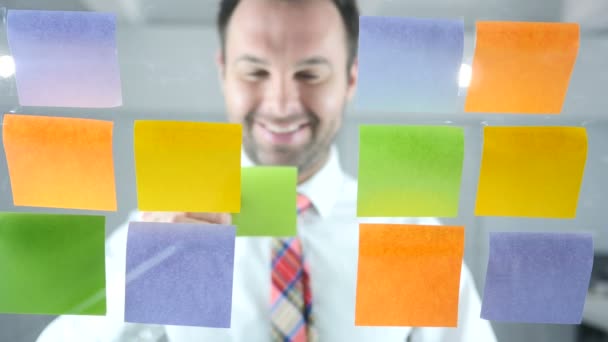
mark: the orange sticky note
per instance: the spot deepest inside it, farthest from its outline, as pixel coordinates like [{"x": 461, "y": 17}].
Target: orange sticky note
[
  {"x": 188, "y": 166},
  {"x": 60, "y": 162},
  {"x": 531, "y": 171},
  {"x": 409, "y": 275},
  {"x": 522, "y": 67}
]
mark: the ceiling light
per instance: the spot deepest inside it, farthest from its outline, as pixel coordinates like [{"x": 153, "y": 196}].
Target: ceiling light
[
  {"x": 464, "y": 77},
  {"x": 7, "y": 66}
]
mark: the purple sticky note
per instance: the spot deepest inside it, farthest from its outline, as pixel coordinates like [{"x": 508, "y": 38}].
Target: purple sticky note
[
  {"x": 179, "y": 274},
  {"x": 409, "y": 65},
  {"x": 537, "y": 277},
  {"x": 65, "y": 59}
]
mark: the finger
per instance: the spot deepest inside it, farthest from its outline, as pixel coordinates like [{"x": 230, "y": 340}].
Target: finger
[
  {"x": 163, "y": 217},
  {"x": 217, "y": 218},
  {"x": 157, "y": 216},
  {"x": 186, "y": 219}
]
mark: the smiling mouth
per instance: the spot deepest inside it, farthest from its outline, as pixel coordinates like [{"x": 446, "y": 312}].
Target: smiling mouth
[{"x": 283, "y": 129}]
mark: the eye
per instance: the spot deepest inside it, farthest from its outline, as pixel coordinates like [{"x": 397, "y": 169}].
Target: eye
[
  {"x": 254, "y": 75},
  {"x": 307, "y": 76},
  {"x": 260, "y": 73}
]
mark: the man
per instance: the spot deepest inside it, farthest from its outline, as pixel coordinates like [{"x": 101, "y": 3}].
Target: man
[{"x": 288, "y": 70}]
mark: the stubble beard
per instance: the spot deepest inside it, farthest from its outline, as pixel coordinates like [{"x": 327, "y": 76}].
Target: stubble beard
[{"x": 303, "y": 157}]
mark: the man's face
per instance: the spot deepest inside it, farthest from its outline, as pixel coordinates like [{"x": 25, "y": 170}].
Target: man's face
[{"x": 285, "y": 79}]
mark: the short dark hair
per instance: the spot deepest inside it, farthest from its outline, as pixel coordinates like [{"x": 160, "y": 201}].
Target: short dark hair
[{"x": 348, "y": 10}]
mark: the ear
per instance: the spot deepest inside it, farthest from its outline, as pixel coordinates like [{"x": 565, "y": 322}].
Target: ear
[
  {"x": 353, "y": 77},
  {"x": 220, "y": 62}
]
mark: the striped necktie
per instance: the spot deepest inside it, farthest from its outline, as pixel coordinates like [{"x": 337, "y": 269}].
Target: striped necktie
[{"x": 290, "y": 295}]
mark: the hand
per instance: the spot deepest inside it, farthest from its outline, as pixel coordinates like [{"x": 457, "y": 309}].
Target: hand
[{"x": 178, "y": 217}]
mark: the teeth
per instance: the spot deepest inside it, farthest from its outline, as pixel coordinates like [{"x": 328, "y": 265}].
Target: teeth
[{"x": 283, "y": 129}]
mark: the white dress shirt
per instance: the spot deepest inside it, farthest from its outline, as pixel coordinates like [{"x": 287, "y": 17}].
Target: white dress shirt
[{"x": 329, "y": 235}]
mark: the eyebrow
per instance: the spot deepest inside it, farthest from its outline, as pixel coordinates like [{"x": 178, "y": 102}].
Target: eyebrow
[
  {"x": 306, "y": 62},
  {"x": 251, "y": 59},
  {"x": 313, "y": 61}
]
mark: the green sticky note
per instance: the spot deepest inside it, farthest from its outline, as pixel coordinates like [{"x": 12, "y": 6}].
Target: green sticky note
[
  {"x": 268, "y": 202},
  {"x": 52, "y": 264},
  {"x": 409, "y": 171}
]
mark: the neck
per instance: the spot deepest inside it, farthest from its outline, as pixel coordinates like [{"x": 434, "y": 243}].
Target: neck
[{"x": 311, "y": 170}]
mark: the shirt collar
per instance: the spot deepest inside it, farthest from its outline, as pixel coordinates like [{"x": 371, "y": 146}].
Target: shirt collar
[{"x": 323, "y": 187}]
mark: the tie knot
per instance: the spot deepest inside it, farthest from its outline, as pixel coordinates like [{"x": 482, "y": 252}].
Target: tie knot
[{"x": 302, "y": 203}]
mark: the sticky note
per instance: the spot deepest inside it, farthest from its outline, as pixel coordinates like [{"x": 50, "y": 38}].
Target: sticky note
[
  {"x": 188, "y": 166},
  {"x": 409, "y": 170},
  {"x": 408, "y": 275},
  {"x": 60, "y": 162},
  {"x": 179, "y": 274},
  {"x": 268, "y": 202},
  {"x": 52, "y": 264},
  {"x": 537, "y": 277},
  {"x": 409, "y": 64},
  {"x": 522, "y": 67},
  {"x": 65, "y": 59},
  {"x": 531, "y": 171}
]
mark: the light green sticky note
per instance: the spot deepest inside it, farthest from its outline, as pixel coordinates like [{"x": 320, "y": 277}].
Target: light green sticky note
[
  {"x": 409, "y": 171},
  {"x": 268, "y": 202},
  {"x": 52, "y": 264}
]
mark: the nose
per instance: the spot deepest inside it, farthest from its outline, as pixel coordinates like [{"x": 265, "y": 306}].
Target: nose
[{"x": 281, "y": 98}]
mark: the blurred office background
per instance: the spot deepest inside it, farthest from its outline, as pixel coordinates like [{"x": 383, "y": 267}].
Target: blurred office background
[{"x": 166, "y": 52}]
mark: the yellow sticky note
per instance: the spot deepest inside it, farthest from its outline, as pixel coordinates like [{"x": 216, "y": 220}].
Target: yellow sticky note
[
  {"x": 188, "y": 166},
  {"x": 60, "y": 162},
  {"x": 531, "y": 171}
]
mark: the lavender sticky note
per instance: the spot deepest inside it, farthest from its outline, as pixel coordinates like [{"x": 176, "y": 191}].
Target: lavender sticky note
[
  {"x": 179, "y": 274},
  {"x": 409, "y": 65},
  {"x": 65, "y": 59},
  {"x": 537, "y": 277}
]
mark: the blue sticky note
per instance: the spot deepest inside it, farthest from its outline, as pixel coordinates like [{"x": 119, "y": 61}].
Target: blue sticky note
[
  {"x": 64, "y": 58},
  {"x": 179, "y": 274},
  {"x": 537, "y": 277},
  {"x": 409, "y": 64}
]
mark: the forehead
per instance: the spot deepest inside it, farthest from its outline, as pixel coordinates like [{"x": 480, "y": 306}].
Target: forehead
[{"x": 273, "y": 29}]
